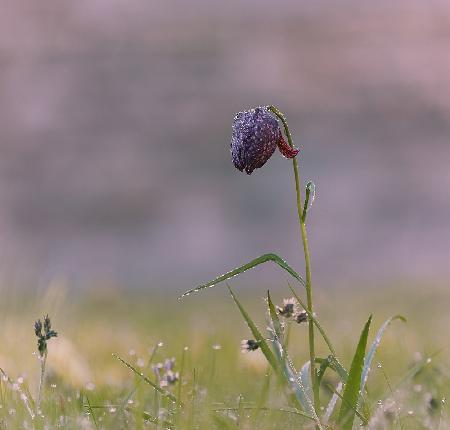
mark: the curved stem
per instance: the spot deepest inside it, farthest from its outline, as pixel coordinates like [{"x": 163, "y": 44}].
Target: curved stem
[{"x": 304, "y": 236}]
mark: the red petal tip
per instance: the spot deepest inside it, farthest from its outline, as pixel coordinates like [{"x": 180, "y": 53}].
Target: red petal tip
[{"x": 286, "y": 150}]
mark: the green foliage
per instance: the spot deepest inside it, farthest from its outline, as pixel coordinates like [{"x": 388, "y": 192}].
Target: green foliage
[
  {"x": 351, "y": 391},
  {"x": 373, "y": 348},
  {"x": 250, "y": 265},
  {"x": 157, "y": 388}
]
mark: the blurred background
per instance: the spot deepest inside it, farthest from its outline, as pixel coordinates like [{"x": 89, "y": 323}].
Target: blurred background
[{"x": 115, "y": 122}]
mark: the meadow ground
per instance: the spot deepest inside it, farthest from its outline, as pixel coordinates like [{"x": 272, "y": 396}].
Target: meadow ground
[{"x": 219, "y": 386}]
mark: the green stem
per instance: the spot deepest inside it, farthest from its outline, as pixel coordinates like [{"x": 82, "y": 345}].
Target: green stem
[
  {"x": 41, "y": 381},
  {"x": 301, "y": 220}
]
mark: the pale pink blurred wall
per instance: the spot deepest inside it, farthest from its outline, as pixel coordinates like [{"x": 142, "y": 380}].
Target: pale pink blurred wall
[{"x": 115, "y": 124}]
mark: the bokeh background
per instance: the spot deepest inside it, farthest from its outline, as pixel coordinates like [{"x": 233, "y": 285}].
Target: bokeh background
[{"x": 115, "y": 122}]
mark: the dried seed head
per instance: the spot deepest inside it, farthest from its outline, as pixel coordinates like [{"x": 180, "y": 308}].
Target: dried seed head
[
  {"x": 248, "y": 345},
  {"x": 47, "y": 324},
  {"x": 301, "y": 316},
  {"x": 44, "y": 336},
  {"x": 289, "y": 307},
  {"x": 38, "y": 328},
  {"x": 256, "y": 134}
]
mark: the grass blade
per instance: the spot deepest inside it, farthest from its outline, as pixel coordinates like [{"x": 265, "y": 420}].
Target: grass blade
[
  {"x": 91, "y": 412},
  {"x": 373, "y": 349},
  {"x": 353, "y": 408},
  {"x": 250, "y": 265},
  {"x": 281, "y": 363},
  {"x": 263, "y": 397},
  {"x": 294, "y": 379},
  {"x": 278, "y": 330},
  {"x": 305, "y": 377},
  {"x": 148, "y": 381},
  {"x": 351, "y": 391},
  {"x": 257, "y": 335},
  {"x": 267, "y": 409},
  {"x": 332, "y": 363},
  {"x": 331, "y": 404}
]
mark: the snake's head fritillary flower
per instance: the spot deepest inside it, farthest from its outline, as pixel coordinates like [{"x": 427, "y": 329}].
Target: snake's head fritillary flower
[{"x": 256, "y": 135}]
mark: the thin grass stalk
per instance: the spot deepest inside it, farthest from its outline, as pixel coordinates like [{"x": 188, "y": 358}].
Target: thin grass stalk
[
  {"x": 43, "y": 360},
  {"x": 301, "y": 219},
  {"x": 180, "y": 386},
  {"x": 91, "y": 412}
]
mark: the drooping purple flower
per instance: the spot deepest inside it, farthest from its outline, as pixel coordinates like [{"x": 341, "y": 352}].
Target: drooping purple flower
[{"x": 256, "y": 134}]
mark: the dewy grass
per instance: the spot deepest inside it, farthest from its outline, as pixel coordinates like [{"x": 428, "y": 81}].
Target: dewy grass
[{"x": 242, "y": 389}]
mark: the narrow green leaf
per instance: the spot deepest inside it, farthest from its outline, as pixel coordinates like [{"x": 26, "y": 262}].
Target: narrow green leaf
[
  {"x": 351, "y": 391},
  {"x": 324, "y": 364},
  {"x": 274, "y": 319},
  {"x": 151, "y": 419},
  {"x": 91, "y": 412},
  {"x": 294, "y": 379},
  {"x": 148, "y": 381},
  {"x": 301, "y": 392},
  {"x": 281, "y": 363},
  {"x": 224, "y": 422},
  {"x": 257, "y": 334},
  {"x": 250, "y": 265},
  {"x": 373, "y": 349},
  {"x": 266, "y": 409},
  {"x": 305, "y": 378},
  {"x": 332, "y": 403},
  {"x": 333, "y": 363},
  {"x": 263, "y": 397},
  {"x": 338, "y": 394}
]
